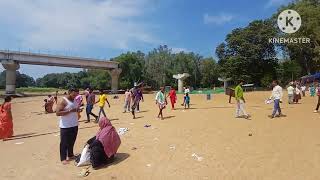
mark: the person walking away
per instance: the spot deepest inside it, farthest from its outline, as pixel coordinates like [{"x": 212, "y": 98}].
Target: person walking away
[
  {"x": 303, "y": 90},
  {"x": 173, "y": 97},
  {"x": 161, "y": 102},
  {"x": 135, "y": 99},
  {"x": 127, "y": 101},
  {"x": 91, "y": 99},
  {"x": 290, "y": 90},
  {"x": 240, "y": 108},
  {"x": 318, "y": 94},
  {"x": 187, "y": 101},
  {"x": 67, "y": 111},
  {"x": 312, "y": 90},
  {"x": 6, "y": 123},
  {"x": 186, "y": 90},
  {"x": 276, "y": 96},
  {"x": 297, "y": 94},
  {"x": 139, "y": 98},
  {"x": 86, "y": 93},
  {"x": 102, "y": 101}
]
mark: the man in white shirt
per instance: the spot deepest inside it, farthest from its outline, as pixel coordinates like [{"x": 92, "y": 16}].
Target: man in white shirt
[
  {"x": 290, "y": 90},
  {"x": 276, "y": 96}
]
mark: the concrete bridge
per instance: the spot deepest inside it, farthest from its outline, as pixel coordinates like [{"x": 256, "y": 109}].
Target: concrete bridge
[{"x": 11, "y": 61}]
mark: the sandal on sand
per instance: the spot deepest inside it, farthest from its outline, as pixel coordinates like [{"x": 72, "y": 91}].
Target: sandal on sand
[{"x": 84, "y": 173}]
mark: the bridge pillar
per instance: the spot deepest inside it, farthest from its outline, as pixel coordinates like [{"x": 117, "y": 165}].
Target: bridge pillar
[
  {"x": 115, "y": 73},
  {"x": 11, "y": 68}
]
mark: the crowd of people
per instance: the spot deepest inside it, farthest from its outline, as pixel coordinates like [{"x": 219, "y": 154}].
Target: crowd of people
[{"x": 105, "y": 144}]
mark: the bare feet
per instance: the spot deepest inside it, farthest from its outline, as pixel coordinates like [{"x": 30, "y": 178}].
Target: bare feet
[{"x": 64, "y": 162}]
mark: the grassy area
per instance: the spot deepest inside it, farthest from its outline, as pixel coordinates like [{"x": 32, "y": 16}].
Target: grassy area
[
  {"x": 207, "y": 91},
  {"x": 36, "y": 90}
]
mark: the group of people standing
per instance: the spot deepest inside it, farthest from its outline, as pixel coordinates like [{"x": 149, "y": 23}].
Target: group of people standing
[{"x": 294, "y": 92}]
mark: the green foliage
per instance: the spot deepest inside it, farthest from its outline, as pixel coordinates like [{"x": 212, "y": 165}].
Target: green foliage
[
  {"x": 247, "y": 54},
  {"x": 22, "y": 80},
  {"x": 132, "y": 65},
  {"x": 97, "y": 79},
  {"x": 306, "y": 55}
]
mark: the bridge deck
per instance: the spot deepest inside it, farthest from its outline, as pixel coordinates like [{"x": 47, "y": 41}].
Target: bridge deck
[{"x": 55, "y": 60}]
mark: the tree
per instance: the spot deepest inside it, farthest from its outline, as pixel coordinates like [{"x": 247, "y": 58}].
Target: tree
[
  {"x": 132, "y": 65},
  {"x": 209, "y": 71},
  {"x": 306, "y": 55},
  {"x": 247, "y": 54}
]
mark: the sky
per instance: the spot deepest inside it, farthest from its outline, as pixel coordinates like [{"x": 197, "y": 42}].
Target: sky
[{"x": 104, "y": 29}]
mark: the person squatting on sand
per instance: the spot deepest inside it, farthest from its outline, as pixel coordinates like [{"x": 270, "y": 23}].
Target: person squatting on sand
[
  {"x": 68, "y": 111},
  {"x": 276, "y": 96},
  {"x": 104, "y": 145},
  {"x": 102, "y": 101},
  {"x": 240, "y": 108},
  {"x": 91, "y": 99},
  {"x": 6, "y": 124},
  {"x": 49, "y": 104},
  {"x": 161, "y": 102}
]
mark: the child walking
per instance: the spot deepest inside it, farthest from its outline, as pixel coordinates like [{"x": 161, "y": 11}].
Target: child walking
[{"x": 187, "y": 101}]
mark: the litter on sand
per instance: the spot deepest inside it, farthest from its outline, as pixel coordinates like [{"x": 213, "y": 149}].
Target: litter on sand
[
  {"x": 147, "y": 125},
  {"x": 84, "y": 172},
  {"x": 122, "y": 131},
  {"x": 134, "y": 148},
  {"x": 18, "y": 143},
  {"x": 148, "y": 165},
  {"x": 197, "y": 157},
  {"x": 268, "y": 101}
]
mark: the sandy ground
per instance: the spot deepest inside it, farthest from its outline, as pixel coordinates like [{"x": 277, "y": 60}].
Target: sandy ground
[{"x": 282, "y": 148}]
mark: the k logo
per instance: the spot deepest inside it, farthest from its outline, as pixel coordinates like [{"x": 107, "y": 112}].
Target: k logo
[{"x": 289, "y": 21}]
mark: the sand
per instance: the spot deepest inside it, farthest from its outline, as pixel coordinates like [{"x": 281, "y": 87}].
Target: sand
[{"x": 203, "y": 142}]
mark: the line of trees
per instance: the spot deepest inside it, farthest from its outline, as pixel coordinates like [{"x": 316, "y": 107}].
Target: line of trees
[{"x": 245, "y": 54}]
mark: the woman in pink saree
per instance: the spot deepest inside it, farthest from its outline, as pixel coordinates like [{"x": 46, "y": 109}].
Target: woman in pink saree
[
  {"x": 6, "y": 124},
  {"x": 104, "y": 145}
]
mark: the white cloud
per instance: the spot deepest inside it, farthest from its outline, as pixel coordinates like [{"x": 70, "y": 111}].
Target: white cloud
[
  {"x": 75, "y": 24},
  {"x": 217, "y": 19},
  {"x": 273, "y": 3},
  {"x": 177, "y": 50}
]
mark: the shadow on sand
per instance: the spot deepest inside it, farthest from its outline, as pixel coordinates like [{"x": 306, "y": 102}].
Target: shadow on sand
[
  {"x": 31, "y": 135},
  {"x": 119, "y": 157}
]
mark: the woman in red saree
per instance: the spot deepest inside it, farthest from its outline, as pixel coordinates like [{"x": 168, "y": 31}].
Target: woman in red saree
[
  {"x": 173, "y": 97},
  {"x": 6, "y": 125}
]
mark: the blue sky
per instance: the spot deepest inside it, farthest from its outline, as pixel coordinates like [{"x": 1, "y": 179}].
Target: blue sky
[{"x": 106, "y": 28}]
